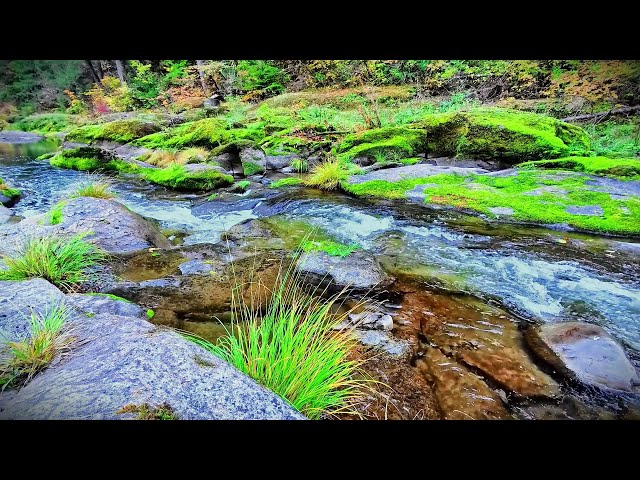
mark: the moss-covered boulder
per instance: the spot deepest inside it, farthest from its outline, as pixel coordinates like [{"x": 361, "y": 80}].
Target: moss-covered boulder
[
  {"x": 89, "y": 159},
  {"x": 500, "y": 134},
  {"x": 121, "y": 131},
  {"x": 283, "y": 144},
  {"x": 189, "y": 177},
  {"x": 8, "y": 196},
  {"x": 614, "y": 167},
  {"x": 390, "y": 142}
]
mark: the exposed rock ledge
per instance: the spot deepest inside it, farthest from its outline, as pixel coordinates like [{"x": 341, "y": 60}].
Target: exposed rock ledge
[{"x": 117, "y": 359}]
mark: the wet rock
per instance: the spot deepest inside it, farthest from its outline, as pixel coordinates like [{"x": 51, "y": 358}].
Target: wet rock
[
  {"x": 412, "y": 171},
  {"x": 204, "y": 167},
  {"x": 118, "y": 358},
  {"x": 195, "y": 267},
  {"x": 382, "y": 341},
  {"x": 229, "y": 161},
  {"x": 461, "y": 394},
  {"x": 590, "y": 210},
  {"x": 368, "y": 321},
  {"x": 116, "y": 229},
  {"x": 276, "y": 162},
  {"x": 501, "y": 210},
  {"x": 254, "y": 155},
  {"x": 5, "y": 214},
  {"x": 358, "y": 271},
  {"x": 584, "y": 351},
  {"x": 130, "y": 152}
]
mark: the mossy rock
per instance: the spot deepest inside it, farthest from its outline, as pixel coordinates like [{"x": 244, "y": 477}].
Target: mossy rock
[
  {"x": 122, "y": 131},
  {"x": 501, "y": 134},
  {"x": 208, "y": 133},
  {"x": 393, "y": 142},
  {"x": 283, "y": 144},
  {"x": 181, "y": 178},
  {"x": 90, "y": 159},
  {"x": 614, "y": 167}
]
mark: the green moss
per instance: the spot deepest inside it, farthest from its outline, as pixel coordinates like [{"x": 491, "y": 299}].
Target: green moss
[
  {"x": 332, "y": 248},
  {"x": 285, "y": 182},
  {"x": 282, "y": 144},
  {"x": 614, "y": 167},
  {"x": 122, "y": 131},
  {"x": 208, "y": 133},
  {"x": 410, "y": 161},
  {"x": 299, "y": 165},
  {"x": 481, "y": 192},
  {"x": 10, "y": 192},
  {"x": 241, "y": 186},
  {"x": 616, "y": 138},
  {"x": 176, "y": 177},
  {"x": 89, "y": 159},
  {"x": 47, "y": 123},
  {"x": 108, "y": 295},
  {"x": 251, "y": 168},
  {"x": 397, "y": 141},
  {"x": 501, "y": 134}
]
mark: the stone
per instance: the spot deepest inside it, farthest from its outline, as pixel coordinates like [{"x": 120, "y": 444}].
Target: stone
[
  {"x": 116, "y": 229},
  {"x": 369, "y": 320},
  {"x": 359, "y": 271},
  {"x": 213, "y": 102},
  {"x": 501, "y": 210},
  {"x": 204, "y": 167},
  {"x": 195, "y": 267},
  {"x": 5, "y": 213},
  {"x": 411, "y": 171},
  {"x": 461, "y": 394},
  {"x": 585, "y": 352},
  {"x": 254, "y": 155},
  {"x": 277, "y": 162},
  {"x": 590, "y": 210},
  {"x": 230, "y": 161},
  {"x": 118, "y": 358},
  {"x": 382, "y": 341}
]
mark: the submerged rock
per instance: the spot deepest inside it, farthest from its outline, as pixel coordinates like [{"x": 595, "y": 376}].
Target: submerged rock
[
  {"x": 117, "y": 359},
  {"x": 358, "y": 271},
  {"x": 584, "y": 351}
]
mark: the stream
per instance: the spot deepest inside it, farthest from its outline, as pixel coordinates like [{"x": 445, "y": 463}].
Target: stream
[{"x": 528, "y": 274}]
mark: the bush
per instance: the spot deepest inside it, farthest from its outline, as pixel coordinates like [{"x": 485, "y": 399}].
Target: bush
[
  {"x": 66, "y": 263},
  {"x": 260, "y": 78}
]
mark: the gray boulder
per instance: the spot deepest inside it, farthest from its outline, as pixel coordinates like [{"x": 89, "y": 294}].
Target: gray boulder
[
  {"x": 254, "y": 155},
  {"x": 584, "y": 351},
  {"x": 118, "y": 358},
  {"x": 204, "y": 167},
  {"x": 5, "y": 214},
  {"x": 277, "y": 162},
  {"x": 358, "y": 271}
]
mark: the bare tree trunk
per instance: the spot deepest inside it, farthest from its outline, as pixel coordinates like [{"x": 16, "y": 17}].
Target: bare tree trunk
[
  {"x": 94, "y": 74},
  {"x": 100, "y": 70},
  {"x": 602, "y": 115},
  {"x": 120, "y": 69},
  {"x": 200, "y": 64}
]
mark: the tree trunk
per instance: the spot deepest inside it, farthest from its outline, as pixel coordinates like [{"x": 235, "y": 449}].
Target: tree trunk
[
  {"x": 94, "y": 74},
  {"x": 100, "y": 70},
  {"x": 120, "y": 68},
  {"x": 200, "y": 64}
]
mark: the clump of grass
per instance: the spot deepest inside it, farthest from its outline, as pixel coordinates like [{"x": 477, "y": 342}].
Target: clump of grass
[
  {"x": 55, "y": 214},
  {"x": 148, "y": 412},
  {"x": 240, "y": 186},
  {"x": 96, "y": 188},
  {"x": 299, "y": 165},
  {"x": 292, "y": 348},
  {"x": 327, "y": 176},
  {"x": 10, "y": 192},
  {"x": 27, "y": 357},
  {"x": 65, "y": 262},
  {"x": 284, "y": 182},
  {"x": 332, "y": 248}
]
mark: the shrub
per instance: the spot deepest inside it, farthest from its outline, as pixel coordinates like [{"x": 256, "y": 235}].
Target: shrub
[
  {"x": 29, "y": 356},
  {"x": 327, "y": 175},
  {"x": 66, "y": 263},
  {"x": 293, "y": 349}
]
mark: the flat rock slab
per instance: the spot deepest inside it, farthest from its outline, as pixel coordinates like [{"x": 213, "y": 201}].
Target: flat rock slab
[
  {"x": 382, "y": 341},
  {"x": 589, "y": 210},
  {"x": 501, "y": 210},
  {"x": 630, "y": 188},
  {"x": 411, "y": 171},
  {"x": 584, "y": 351},
  {"x": 358, "y": 271},
  {"x": 19, "y": 137},
  {"x": 5, "y": 214},
  {"x": 118, "y": 359}
]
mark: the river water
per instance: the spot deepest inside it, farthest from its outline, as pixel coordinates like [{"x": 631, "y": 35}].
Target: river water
[{"x": 535, "y": 273}]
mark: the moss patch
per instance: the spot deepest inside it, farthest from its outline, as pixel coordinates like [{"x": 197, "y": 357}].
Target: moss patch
[
  {"x": 10, "y": 192},
  {"x": 148, "y": 412},
  {"x": 122, "y": 131},
  {"x": 400, "y": 142},
  {"x": 334, "y": 249},
  {"x": 286, "y": 182},
  {"x": 614, "y": 167},
  {"x": 251, "y": 168},
  {"x": 54, "y": 216},
  {"x": 176, "y": 177}
]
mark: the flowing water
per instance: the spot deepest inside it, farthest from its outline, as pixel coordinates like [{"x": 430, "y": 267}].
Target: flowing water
[{"x": 534, "y": 274}]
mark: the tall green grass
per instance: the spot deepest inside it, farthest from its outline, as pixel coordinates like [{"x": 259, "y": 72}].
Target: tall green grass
[
  {"x": 97, "y": 187},
  {"x": 25, "y": 358},
  {"x": 65, "y": 262},
  {"x": 286, "y": 341}
]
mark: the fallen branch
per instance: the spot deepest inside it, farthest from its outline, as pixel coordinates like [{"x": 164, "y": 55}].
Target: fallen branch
[{"x": 598, "y": 116}]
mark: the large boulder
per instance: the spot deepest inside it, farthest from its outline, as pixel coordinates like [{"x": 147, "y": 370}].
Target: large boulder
[
  {"x": 359, "y": 271},
  {"x": 253, "y": 160},
  {"x": 585, "y": 352},
  {"x": 5, "y": 214},
  {"x": 117, "y": 359}
]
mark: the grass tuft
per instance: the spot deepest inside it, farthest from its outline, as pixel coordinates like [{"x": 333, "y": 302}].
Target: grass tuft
[
  {"x": 332, "y": 248},
  {"x": 328, "y": 175},
  {"x": 64, "y": 262},
  {"x": 285, "y": 182},
  {"x": 100, "y": 187},
  {"x": 29, "y": 356}
]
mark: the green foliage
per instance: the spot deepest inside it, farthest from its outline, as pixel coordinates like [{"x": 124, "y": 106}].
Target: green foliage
[
  {"x": 209, "y": 132},
  {"x": 400, "y": 142},
  {"x": 332, "y": 248},
  {"x": 46, "y": 123},
  {"x": 97, "y": 189},
  {"x": 213, "y": 196},
  {"x": 90, "y": 159},
  {"x": 67, "y": 263},
  {"x": 150, "y": 314},
  {"x": 54, "y": 215},
  {"x": 144, "y": 84},
  {"x": 241, "y": 186},
  {"x": 616, "y": 138},
  {"x": 614, "y": 167},
  {"x": 10, "y": 192},
  {"x": 251, "y": 168},
  {"x": 108, "y": 295},
  {"x": 292, "y": 349},
  {"x": 299, "y": 165},
  {"x": 29, "y": 356},
  {"x": 122, "y": 131},
  {"x": 285, "y": 182},
  {"x": 261, "y": 76}
]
